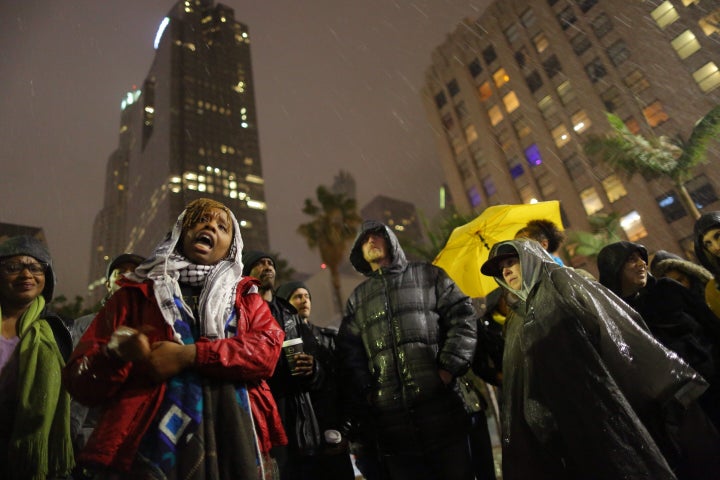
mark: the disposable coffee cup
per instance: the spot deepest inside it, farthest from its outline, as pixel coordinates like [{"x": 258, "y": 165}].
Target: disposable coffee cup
[{"x": 291, "y": 348}]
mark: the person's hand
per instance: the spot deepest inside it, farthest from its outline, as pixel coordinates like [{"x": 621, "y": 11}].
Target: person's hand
[
  {"x": 445, "y": 376},
  {"x": 303, "y": 364},
  {"x": 129, "y": 345},
  {"x": 168, "y": 359}
]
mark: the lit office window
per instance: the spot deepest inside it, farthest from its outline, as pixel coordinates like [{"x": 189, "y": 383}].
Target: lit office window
[
  {"x": 654, "y": 114},
  {"x": 709, "y": 24},
  {"x": 516, "y": 169},
  {"x": 636, "y": 82},
  {"x": 532, "y": 155},
  {"x": 500, "y": 77},
  {"x": 632, "y": 124},
  {"x": 687, "y": 3},
  {"x": 522, "y": 129},
  {"x": 580, "y": 121},
  {"x": 614, "y": 188},
  {"x": 685, "y": 44},
  {"x": 541, "y": 42},
  {"x": 470, "y": 133},
  {"x": 566, "y": 92},
  {"x": 474, "y": 196},
  {"x": 511, "y": 102},
  {"x": 591, "y": 200},
  {"x": 547, "y": 107},
  {"x": 560, "y": 135},
  {"x": 633, "y": 226},
  {"x": 664, "y": 14},
  {"x": 484, "y": 91},
  {"x": 495, "y": 115},
  {"x": 707, "y": 77}
]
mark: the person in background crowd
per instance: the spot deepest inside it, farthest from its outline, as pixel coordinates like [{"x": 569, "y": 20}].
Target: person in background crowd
[
  {"x": 706, "y": 234},
  {"x": 407, "y": 333},
  {"x": 690, "y": 275},
  {"x": 289, "y": 386},
  {"x": 177, "y": 355},
  {"x": 330, "y": 458},
  {"x": 82, "y": 421},
  {"x": 546, "y": 233},
  {"x": 35, "y": 440},
  {"x": 679, "y": 320},
  {"x": 583, "y": 382}
]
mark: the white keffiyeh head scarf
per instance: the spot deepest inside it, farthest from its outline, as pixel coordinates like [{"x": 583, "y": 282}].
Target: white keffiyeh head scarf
[{"x": 217, "y": 298}]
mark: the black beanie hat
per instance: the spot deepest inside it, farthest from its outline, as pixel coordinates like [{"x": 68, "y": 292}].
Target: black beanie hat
[
  {"x": 249, "y": 259},
  {"x": 287, "y": 289},
  {"x": 32, "y": 247}
]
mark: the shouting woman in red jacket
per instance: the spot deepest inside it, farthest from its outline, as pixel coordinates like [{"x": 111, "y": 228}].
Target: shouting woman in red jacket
[{"x": 178, "y": 358}]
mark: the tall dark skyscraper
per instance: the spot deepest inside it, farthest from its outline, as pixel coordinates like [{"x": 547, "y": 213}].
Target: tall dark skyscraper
[{"x": 189, "y": 131}]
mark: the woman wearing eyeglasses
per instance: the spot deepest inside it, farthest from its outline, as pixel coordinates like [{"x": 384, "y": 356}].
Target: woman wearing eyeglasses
[{"x": 34, "y": 408}]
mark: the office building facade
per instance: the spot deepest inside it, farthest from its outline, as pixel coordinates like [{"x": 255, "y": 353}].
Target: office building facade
[
  {"x": 189, "y": 131},
  {"x": 513, "y": 94}
]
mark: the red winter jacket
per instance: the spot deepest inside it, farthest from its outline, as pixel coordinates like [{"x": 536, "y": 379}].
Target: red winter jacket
[{"x": 131, "y": 399}]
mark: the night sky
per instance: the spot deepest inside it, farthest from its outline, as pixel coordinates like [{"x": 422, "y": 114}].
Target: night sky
[{"x": 337, "y": 87}]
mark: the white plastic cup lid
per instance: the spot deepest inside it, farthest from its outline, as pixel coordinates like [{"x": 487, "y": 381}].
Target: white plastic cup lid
[{"x": 291, "y": 342}]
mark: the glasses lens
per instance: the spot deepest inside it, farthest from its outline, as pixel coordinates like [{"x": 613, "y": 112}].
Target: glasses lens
[{"x": 12, "y": 268}]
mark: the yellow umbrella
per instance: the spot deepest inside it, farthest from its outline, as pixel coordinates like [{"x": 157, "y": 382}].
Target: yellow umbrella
[{"x": 469, "y": 245}]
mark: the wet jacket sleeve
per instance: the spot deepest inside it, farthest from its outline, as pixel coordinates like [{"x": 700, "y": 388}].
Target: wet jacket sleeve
[
  {"x": 252, "y": 354},
  {"x": 458, "y": 326}
]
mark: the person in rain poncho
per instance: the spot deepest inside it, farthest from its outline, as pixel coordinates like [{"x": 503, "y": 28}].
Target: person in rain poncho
[
  {"x": 706, "y": 233},
  {"x": 584, "y": 384},
  {"x": 177, "y": 359}
]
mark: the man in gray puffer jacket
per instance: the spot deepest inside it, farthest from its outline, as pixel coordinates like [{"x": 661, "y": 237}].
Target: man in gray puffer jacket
[{"x": 408, "y": 332}]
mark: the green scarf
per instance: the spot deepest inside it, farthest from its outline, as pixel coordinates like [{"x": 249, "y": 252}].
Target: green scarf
[{"x": 40, "y": 445}]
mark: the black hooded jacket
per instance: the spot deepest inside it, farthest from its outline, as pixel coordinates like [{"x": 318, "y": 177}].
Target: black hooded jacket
[
  {"x": 583, "y": 382},
  {"x": 402, "y": 325}
]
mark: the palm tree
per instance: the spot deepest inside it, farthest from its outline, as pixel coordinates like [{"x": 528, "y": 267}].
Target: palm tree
[
  {"x": 437, "y": 233},
  {"x": 661, "y": 156},
  {"x": 605, "y": 229},
  {"x": 333, "y": 226}
]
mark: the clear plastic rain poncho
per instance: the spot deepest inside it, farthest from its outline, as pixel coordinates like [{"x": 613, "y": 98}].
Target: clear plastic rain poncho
[{"x": 588, "y": 393}]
